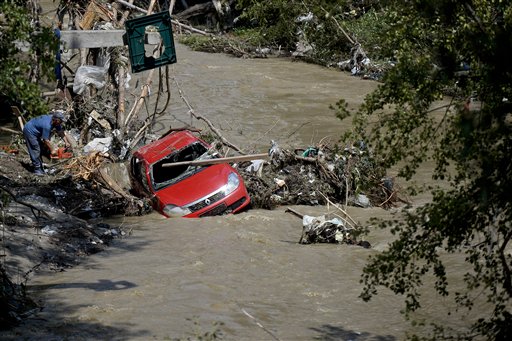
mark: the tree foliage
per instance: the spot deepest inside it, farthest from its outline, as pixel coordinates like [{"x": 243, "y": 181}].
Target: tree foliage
[
  {"x": 464, "y": 47},
  {"x": 27, "y": 54},
  {"x": 283, "y": 23}
]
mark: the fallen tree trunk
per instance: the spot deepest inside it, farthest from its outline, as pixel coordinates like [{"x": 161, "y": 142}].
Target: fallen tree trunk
[{"x": 199, "y": 9}]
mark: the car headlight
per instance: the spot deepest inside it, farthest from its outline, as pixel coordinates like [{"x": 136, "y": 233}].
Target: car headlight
[
  {"x": 174, "y": 211},
  {"x": 233, "y": 182}
]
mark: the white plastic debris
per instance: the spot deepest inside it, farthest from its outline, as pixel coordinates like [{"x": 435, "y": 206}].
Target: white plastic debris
[
  {"x": 98, "y": 145},
  {"x": 59, "y": 192},
  {"x": 362, "y": 200},
  {"x": 89, "y": 75},
  {"x": 279, "y": 182},
  {"x": 49, "y": 230},
  {"x": 255, "y": 166},
  {"x": 305, "y": 18}
]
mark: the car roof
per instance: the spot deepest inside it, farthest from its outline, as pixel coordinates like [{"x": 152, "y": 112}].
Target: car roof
[{"x": 162, "y": 147}]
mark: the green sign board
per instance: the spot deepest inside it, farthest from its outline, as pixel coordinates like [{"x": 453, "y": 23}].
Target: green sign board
[{"x": 137, "y": 31}]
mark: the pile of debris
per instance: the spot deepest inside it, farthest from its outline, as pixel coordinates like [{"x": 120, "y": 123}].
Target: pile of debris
[
  {"x": 331, "y": 228},
  {"x": 318, "y": 176}
]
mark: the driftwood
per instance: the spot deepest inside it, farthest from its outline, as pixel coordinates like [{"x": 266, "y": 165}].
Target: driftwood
[
  {"x": 292, "y": 211},
  {"x": 199, "y": 9},
  {"x": 112, "y": 184},
  {"x": 121, "y": 75}
]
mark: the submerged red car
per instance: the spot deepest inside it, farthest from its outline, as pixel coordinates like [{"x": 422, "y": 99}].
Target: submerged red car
[{"x": 186, "y": 190}]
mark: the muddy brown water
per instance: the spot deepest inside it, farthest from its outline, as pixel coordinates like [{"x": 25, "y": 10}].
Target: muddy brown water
[{"x": 174, "y": 278}]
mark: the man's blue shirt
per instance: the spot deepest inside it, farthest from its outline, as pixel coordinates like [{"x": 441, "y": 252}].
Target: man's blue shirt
[{"x": 41, "y": 127}]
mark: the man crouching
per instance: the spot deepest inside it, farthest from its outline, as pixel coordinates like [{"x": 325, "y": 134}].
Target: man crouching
[{"x": 37, "y": 134}]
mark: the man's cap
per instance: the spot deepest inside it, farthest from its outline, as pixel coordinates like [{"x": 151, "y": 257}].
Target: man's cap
[{"x": 60, "y": 115}]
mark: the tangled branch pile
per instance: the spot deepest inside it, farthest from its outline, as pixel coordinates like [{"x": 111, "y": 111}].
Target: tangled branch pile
[{"x": 317, "y": 176}]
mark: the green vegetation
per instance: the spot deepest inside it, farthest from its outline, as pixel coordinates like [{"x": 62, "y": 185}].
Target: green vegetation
[
  {"x": 329, "y": 30},
  {"x": 273, "y": 21},
  {"x": 470, "y": 147},
  {"x": 27, "y": 55}
]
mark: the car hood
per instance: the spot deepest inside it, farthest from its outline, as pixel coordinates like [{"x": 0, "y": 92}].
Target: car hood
[{"x": 196, "y": 187}]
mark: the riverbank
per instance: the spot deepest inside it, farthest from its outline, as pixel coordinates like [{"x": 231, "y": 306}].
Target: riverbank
[{"x": 38, "y": 234}]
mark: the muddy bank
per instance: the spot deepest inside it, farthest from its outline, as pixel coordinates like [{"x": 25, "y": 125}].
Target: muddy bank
[{"x": 40, "y": 233}]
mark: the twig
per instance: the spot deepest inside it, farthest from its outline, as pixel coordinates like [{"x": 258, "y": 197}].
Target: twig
[
  {"x": 200, "y": 117},
  {"x": 290, "y": 210},
  {"x": 346, "y": 190},
  {"x": 260, "y": 325},
  {"x": 32, "y": 207},
  {"x": 341, "y": 28},
  {"x": 388, "y": 199},
  {"x": 139, "y": 134},
  {"x": 352, "y": 222},
  {"x": 476, "y": 17},
  {"x": 268, "y": 131},
  {"x": 296, "y": 130}
]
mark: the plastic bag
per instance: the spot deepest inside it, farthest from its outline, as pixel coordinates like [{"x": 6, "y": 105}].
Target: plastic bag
[{"x": 89, "y": 75}]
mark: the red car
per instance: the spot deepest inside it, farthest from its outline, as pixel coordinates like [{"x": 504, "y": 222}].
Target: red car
[{"x": 186, "y": 190}]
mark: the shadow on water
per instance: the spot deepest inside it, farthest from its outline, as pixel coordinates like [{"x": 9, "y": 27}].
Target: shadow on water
[
  {"x": 56, "y": 320},
  {"x": 76, "y": 330},
  {"x": 329, "y": 332},
  {"x": 100, "y": 285}
]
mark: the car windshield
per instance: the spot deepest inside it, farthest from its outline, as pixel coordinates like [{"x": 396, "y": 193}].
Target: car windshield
[{"x": 164, "y": 176}]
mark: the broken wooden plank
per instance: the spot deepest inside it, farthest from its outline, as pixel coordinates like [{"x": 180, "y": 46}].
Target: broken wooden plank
[
  {"x": 76, "y": 39},
  {"x": 101, "y": 121},
  {"x": 92, "y": 13},
  {"x": 218, "y": 160},
  {"x": 9, "y": 130}
]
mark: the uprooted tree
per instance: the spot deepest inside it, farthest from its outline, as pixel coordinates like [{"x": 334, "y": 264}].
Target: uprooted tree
[{"x": 464, "y": 47}]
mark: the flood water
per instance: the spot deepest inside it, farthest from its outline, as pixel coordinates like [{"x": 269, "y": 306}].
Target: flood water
[
  {"x": 173, "y": 278},
  {"x": 178, "y": 277}
]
